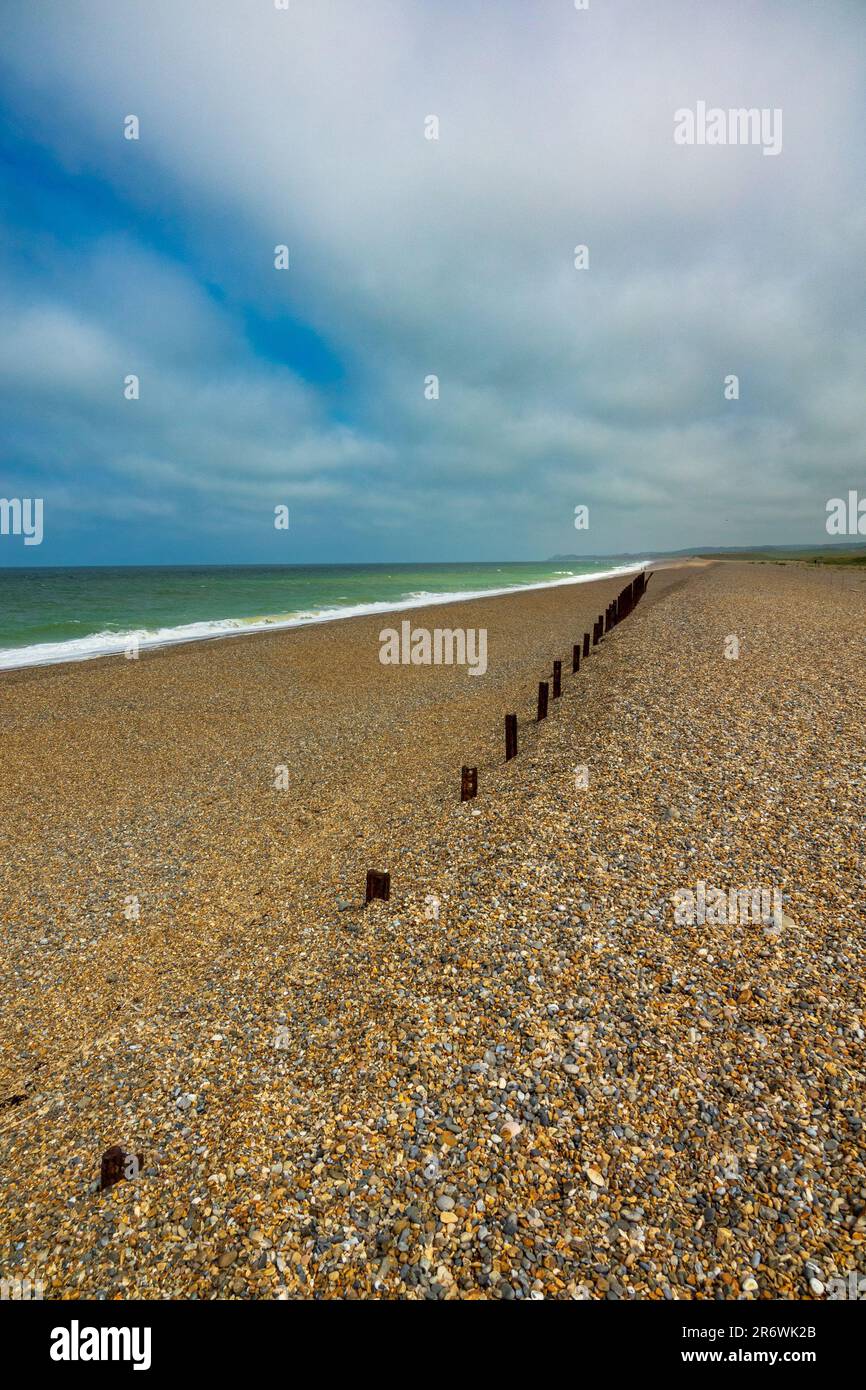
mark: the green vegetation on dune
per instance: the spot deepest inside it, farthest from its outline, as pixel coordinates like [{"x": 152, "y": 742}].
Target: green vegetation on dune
[{"x": 804, "y": 555}]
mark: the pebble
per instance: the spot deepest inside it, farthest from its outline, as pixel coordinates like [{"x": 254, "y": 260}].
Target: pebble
[{"x": 604, "y": 1103}]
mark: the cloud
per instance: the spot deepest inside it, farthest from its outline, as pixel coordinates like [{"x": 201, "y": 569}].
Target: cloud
[{"x": 452, "y": 257}]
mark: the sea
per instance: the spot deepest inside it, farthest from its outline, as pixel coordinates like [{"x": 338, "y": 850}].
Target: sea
[{"x": 53, "y": 615}]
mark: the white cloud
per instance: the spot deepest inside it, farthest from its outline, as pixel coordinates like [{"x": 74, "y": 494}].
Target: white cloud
[{"x": 455, "y": 257}]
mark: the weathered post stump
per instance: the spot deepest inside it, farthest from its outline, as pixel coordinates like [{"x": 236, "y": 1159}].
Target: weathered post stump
[
  {"x": 378, "y": 886},
  {"x": 117, "y": 1164},
  {"x": 468, "y": 783}
]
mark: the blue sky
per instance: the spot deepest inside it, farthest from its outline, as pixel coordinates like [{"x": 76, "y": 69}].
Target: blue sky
[{"x": 412, "y": 257}]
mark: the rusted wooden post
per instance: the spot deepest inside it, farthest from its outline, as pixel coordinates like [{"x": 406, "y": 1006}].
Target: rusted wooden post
[
  {"x": 116, "y": 1164},
  {"x": 586, "y": 644},
  {"x": 468, "y": 783},
  {"x": 542, "y": 699},
  {"x": 111, "y": 1168},
  {"x": 510, "y": 737},
  {"x": 378, "y": 886},
  {"x": 557, "y": 679},
  {"x": 575, "y": 657}
]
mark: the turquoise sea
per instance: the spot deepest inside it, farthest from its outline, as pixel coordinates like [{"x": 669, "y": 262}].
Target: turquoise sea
[{"x": 50, "y": 615}]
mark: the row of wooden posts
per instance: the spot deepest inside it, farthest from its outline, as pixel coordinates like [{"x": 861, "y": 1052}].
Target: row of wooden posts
[
  {"x": 379, "y": 883},
  {"x": 116, "y": 1163}
]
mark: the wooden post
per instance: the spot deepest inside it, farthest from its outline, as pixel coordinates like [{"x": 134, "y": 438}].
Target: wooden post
[
  {"x": 542, "y": 699},
  {"x": 378, "y": 886},
  {"x": 595, "y": 633},
  {"x": 510, "y": 737},
  {"x": 468, "y": 783},
  {"x": 586, "y": 644},
  {"x": 111, "y": 1168},
  {"x": 575, "y": 657},
  {"x": 116, "y": 1164},
  {"x": 557, "y": 679}
]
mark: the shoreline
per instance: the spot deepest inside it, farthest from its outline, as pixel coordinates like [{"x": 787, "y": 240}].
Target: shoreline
[{"x": 216, "y": 629}]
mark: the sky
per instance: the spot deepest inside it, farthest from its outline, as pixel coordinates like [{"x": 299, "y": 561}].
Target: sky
[{"x": 412, "y": 257}]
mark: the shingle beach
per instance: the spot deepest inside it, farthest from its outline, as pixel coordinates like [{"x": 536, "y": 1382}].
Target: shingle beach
[{"x": 520, "y": 1077}]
